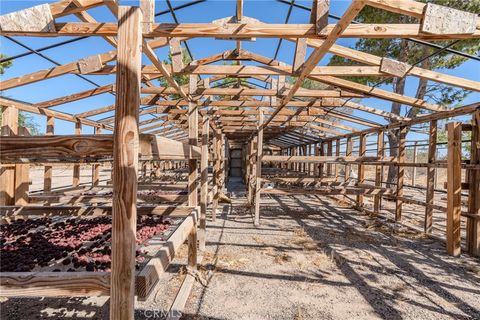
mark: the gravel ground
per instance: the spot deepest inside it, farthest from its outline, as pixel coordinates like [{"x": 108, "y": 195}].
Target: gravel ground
[{"x": 309, "y": 259}]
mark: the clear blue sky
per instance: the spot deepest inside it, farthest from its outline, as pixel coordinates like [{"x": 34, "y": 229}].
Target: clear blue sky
[{"x": 267, "y": 11}]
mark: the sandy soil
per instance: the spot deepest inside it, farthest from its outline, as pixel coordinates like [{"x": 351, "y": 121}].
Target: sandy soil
[{"x": 309, "y": 259}]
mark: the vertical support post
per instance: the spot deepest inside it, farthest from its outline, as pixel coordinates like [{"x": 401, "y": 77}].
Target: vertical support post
[
  {"x": 204, "y": 185},
  {"x": 378, "y": 172},
  {"x": 7, "y": 173},
  {"x": 430, "y": 192},
  {"x": 125, "y": 163},
  {"x": 258, "y": 183},
  {"x": 402, "y": 134},
  {"x": 454, "y": 187},
  {"x": 223, "y": 166},
  {"x": 76, "y": 167},
  {"x": 361, "y": 166},
  {"x": 216, "y": 175},
  {"x": 192, "y": 171},
  {"x": 22, "y": 176},
  {"x": 322, "y": 165},
  {"x": 252, "y": 172},
  {"x": 414, "y": 160},
  {"x": 348, "y": 153},
  {"x": 337, "y": 153},
  {"x": 473, "y": 223},
  {"x": 47, "y": 175},
  {"x": 96, "y": 167},
  {"x": 329, "y": 153}
]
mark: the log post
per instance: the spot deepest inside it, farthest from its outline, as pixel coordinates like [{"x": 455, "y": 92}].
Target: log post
[
  {"x": 125, "y": 163},
  {"x": 204, "y": 185},
  {"x": 378, "y": 172},
  {"x": 7, "y": 173},
  {"x": 454, "y": 187},
  {"x": 96, "y": 167},
  {"x": 402, "y": 132},
  {"x": 47, "y": 176},
  {"x": 361, "y": 167},
  {"x": 473, "y": 223},
  {"x": 430, "y": 192},
  {"x": 258, "y": 169},
  {"x": 76, "y": 167}
]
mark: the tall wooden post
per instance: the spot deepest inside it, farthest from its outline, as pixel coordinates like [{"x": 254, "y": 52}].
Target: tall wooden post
[
  {"x": 204, "y": 185},
  {"x": 252, "y": 172},
  {"x": 348, "y": 153},
  {"x": 430, "y": 192},
  {"x": 473, "y": 223},
  {"x": 216, "y": 175},
  {"x": 125, "y": 163},
  {"x": 414, "y": 160},
  {"x": 329, "y": 153},
  {"x": 76, "y": 167},
  {"x": 192, "y": 171},
  {"x": 321, "y": 167},
  {"x": 258, "y": 183},
  {"x": 47, "y": 176},
  {"x": 378, "y": 172},
  {"x": 96, "y": 167},
  {"x": 454, "y": 187},
  {"x": 337, "y": 153},
  {"x": 7, "y": 174},
  {"x": 361, "y": 167},
  {"x": 402, "y": 134}
]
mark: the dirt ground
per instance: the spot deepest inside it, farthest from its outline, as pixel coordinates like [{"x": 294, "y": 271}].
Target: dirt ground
[{"x": 309, "y": 259}]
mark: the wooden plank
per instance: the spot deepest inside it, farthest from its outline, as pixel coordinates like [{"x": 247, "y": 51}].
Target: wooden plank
[
  {"x": 393, "y": 67},
  {"x": 75, "y": 97},
  {"x": 319, "y": 14},
  {"x": 447, "y": 21},
  {"x": 204, "y": 185},
  {"x": 319, "y": 159},
  {"x": 176, "y": 53},
  {"x": 379, "y": 171},
  {"x": 473, "y": 224},
  {"x": 7, "y": 174},
  {"x": 454, "y": 187},
  {"x": 149, "y": 275},
  {"x": 90, "y": 64},
  {"x": 73, "y": 210},
  {"x": 35, "y": 19},
  {"x": 366, "y": 191},
  {"x": 258, "y": 168},
  {"x": 54, "y": 284},
  {"x": 76, "y": 167},
  {"x": 96, "y": 167},
  {"x": 47, "y": 176},
  {"x": 125, "y": 163},
  {"x": 148, "y": 14},
  {"x": 361, "y": 168},
  {"x": 402, "y": 134},
  {"x": 300, "y": 53}
]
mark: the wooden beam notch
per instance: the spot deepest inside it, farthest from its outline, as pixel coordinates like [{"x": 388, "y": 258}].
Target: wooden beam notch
[{"x": 443, "y": 20}]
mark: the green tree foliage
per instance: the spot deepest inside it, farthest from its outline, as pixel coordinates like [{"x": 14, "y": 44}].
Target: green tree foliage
[
  {"x": 413, "y": 53},
  {"x": 182, "y": 79},
  {"x": 24, "y": 119}
]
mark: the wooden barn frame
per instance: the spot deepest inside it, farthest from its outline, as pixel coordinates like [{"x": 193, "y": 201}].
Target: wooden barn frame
[{"x": 298, "y": 127}]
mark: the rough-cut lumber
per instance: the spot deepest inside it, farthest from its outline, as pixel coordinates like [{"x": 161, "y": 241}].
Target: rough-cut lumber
[
  {"x": 473, "y": 224},
  {"x": 359, "y": 190},
  {"x": 443, "y": 20},
  {"x": 36, "y": 19},
  {"x": 320, "y": 158},
  {"x": 361, "y": 168},
  {"x": 177, "y": 55},
  {"x": 402, "y": 134},
  {"x": 56, "y": 284},
  {"x": 393, "y": 67},
  {"x": 148, "y": 14},
  {"x": 74, "y": 97},
  {"x": 204, "y": 185},
  {"x": 319, "y": 14},
  {"x": 258, "y": 168},
  {"x": 76, "y": 166},
  {"x": 47, "y": 176},
  {"x": 300, "y": 52},
  {"x": 430, "y": 192},
  {"x": 454, "y": 187},
  {"x": 90, "y": 64},
  {"x": 7, "y": 173},
  {"x": 125, "y": 163}
]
